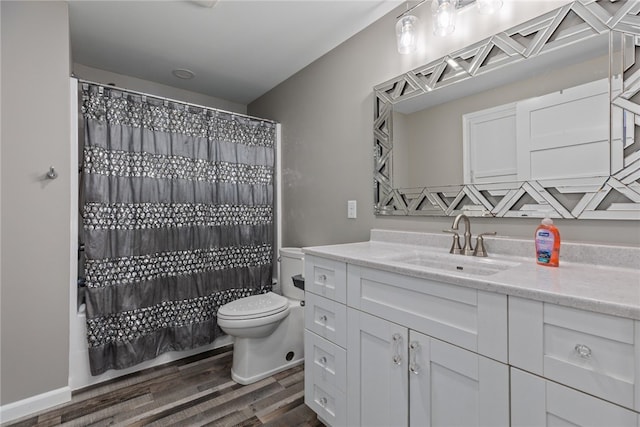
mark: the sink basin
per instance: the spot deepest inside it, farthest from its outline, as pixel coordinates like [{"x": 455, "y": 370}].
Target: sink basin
[{"x": 478, "y": 266}]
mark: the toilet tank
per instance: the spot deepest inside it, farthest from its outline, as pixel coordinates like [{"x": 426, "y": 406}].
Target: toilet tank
[{"x": 291, "y": 263}]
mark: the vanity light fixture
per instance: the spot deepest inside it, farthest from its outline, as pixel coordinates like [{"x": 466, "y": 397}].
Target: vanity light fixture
[
  {"x": 406, "y": 34},
  {"x": 444, "y": 14},
  {"x": 488, "y": 7}
]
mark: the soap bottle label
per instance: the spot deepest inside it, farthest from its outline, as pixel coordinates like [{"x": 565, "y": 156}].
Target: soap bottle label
[{"x": 544, "y": 247}]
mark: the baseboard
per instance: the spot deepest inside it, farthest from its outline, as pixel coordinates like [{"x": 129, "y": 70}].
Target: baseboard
[{"x": 31, "y": 405}]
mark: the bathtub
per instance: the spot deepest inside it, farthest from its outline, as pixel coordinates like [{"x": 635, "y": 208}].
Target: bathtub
[{"x": 79, "y": 372}]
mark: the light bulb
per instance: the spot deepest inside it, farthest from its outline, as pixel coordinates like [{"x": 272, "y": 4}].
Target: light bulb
[
  {"x": 444, "y": 16},
  {"x": 487, "y": 7},
  {"x": 406, "y": 34}
]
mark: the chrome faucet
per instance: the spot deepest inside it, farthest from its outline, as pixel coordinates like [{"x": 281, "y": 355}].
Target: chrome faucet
[
  {"x": 479, "y": 251},
  {"x": 466, "y": 249}
]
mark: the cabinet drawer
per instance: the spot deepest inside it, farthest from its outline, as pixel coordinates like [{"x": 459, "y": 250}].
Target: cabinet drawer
[
  {"x": 325, "y": 362},
  {"x": 593, "y": 352},
  {"x": 328, "y": 403},
  {"x": 539, "y": 402},
  {"x": 326, "y": 318},
  {"x": 326, "y": 277},
  {"x": 469, "y": 318}
]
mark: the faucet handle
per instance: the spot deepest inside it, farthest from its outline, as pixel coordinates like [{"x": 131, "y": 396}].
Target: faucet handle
[
  {"x": 480, "y": 249},
  {"x": 455, "y": 245}
]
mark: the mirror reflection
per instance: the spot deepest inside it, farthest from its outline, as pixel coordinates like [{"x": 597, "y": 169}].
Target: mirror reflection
[{"x": 527, "y": 129}]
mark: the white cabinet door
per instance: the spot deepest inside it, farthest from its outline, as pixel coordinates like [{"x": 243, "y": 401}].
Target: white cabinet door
[
  {"x": 488, "y": 145},
  {"x": 377, "y": 379},
  {"x": 556, "y": 129},
  {"x": 539, "y": 402},
  {"x": 450, "y": 386}
]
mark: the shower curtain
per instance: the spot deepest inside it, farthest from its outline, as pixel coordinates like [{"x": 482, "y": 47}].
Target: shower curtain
[{"x": 177, "y": 221}]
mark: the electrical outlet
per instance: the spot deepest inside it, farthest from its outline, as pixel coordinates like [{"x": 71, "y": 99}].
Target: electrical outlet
[{"x": 352, "y": 207}]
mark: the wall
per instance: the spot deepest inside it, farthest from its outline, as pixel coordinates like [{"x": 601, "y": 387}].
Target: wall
[
  {"x": 326, "y": 111},
  {"x": 101, "y": 76},
  {"x": 35, "y": 211}
]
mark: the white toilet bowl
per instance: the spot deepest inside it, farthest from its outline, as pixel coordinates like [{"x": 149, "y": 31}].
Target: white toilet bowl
[
  {"x": 256, "y": 316},
  {"x": 267, "y": 328}
]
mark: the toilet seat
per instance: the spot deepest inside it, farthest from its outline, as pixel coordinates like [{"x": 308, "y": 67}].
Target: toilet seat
[{"x": 254, "y": 307}]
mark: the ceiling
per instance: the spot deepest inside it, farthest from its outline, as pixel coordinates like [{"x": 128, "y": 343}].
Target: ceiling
[{"x": 237, "y": 49}]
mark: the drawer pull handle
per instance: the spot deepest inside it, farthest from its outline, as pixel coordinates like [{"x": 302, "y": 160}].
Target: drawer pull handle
[
  {"x": 323, "y": 319},
  {"x": 323, "y": 361},
  {"x": 397, "y": 345},
  {"x": 414, "y": 368},
  {"x": 583, "y": 351},
  {"x": 322, "y": 278},
  {"x": 323, "y": 401}
]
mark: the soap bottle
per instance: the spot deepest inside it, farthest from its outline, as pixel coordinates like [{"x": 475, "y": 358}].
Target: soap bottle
[{"x": 547, "y": 239}]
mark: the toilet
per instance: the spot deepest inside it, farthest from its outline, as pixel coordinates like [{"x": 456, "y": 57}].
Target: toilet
[{"x": 267, "y": 328}]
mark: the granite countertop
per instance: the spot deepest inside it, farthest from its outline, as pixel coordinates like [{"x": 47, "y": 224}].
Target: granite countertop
[{"x": 599, "y": 278}]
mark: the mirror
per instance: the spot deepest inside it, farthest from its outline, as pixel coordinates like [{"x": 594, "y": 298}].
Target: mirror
[{"x": 517, "y": 125}]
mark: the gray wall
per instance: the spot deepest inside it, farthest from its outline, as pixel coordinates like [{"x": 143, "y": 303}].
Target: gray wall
[
  {"x": 326, "y": 111},
  {"x": 35, "y": 211}
]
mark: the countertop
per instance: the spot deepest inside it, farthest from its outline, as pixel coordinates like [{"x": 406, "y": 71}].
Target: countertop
[{"x": 585, "y": 284}]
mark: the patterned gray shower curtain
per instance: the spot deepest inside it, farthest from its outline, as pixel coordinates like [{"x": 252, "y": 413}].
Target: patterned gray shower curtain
[{"x": 177, "y": 221}]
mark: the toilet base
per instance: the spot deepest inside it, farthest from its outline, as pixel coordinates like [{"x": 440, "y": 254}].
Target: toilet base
[
  {"x": 250, "y": 380},
  {"x": 257, "y": 358}
]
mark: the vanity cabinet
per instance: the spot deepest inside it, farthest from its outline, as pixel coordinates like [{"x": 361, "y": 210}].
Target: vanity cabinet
[
  {"x": 388, "y": 349},
  {"x": 405, "y": 364},
  {"x": 325, "y": 339},
  {"x": 397, "y": 376}
]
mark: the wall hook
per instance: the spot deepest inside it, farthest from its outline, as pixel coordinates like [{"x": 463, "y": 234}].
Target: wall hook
[{"x": 52, "y": 174}]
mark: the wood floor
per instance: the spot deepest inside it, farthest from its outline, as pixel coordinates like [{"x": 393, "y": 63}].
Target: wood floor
[{"x": 197, "y": 391}]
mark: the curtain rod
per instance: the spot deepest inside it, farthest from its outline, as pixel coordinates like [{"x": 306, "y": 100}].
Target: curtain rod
[{"x": 135, "y": 92}]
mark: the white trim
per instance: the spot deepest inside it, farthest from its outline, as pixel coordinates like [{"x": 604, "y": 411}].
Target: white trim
[
  {"x": 278, "y": 195},
  {"x": 279, "y": 185},
  {"x": 73, "y": 222},
  {"x": 33, "y": 404}
]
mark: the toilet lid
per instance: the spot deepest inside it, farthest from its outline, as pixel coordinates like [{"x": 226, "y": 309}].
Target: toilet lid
[{"x": 254, "y": 306}]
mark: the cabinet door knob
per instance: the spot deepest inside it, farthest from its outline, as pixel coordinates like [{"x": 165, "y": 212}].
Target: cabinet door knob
[
  {"x": 583, "y": 351},
  {"x": 323, "y": 318},
  {"x": 322, "y": 278},
  {"x": 323, "y": 401},
  {"x": 323, "y": 361}
]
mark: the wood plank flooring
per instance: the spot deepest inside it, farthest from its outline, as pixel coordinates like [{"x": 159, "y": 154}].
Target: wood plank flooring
[{"x": 196, "y": 391}]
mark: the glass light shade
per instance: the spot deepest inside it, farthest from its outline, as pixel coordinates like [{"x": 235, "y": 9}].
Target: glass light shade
[
  {"x": 406, "y": 34},
  {"x": 487, "y": 7},
  {"x": 444, "y": 16}
]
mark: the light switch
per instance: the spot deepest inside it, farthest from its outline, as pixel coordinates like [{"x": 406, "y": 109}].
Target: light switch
[{"x": 352, "y": 207}]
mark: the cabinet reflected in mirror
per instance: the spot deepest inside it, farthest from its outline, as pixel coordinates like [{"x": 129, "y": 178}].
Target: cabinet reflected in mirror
[{"x": 429, "y": 145}]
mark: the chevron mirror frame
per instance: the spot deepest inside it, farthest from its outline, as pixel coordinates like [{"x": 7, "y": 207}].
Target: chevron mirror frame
[{"x": 612, "y": 197}]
